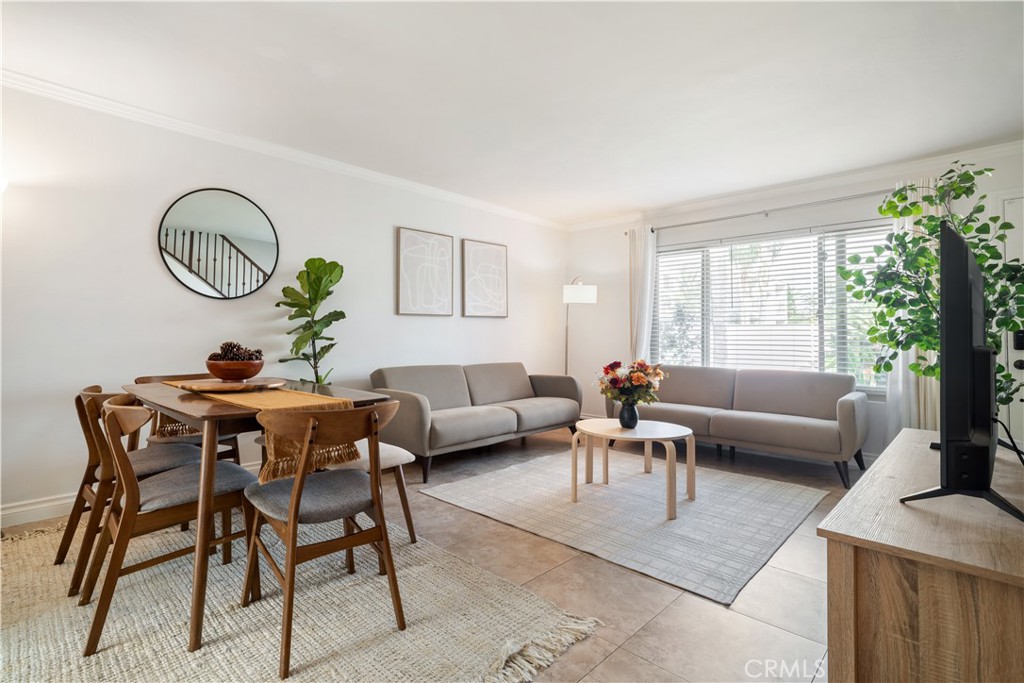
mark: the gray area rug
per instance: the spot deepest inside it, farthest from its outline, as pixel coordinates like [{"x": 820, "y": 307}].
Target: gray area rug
[
  {"x": 464, "y": 624},
  {"x": 714, "y": 547}
]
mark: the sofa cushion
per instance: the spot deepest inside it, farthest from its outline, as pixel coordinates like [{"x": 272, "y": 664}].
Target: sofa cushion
[
  {"x": 497, "y": 382},
  {"x": 443, "y": 385},
  {"x": 808, "y": 394},
  {"x": 774, "y": 429},
  {"x": 712, "y": 387},
  {"x": 542, "y": 411},
  {"x": 697, "y": 418},
  {"x": 461, "y": 425}
]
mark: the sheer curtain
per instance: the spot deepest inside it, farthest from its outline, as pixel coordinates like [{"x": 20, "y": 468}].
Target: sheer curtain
[
  {"x": 911, "y": 401},
  {"x": 642, "y": 247}
]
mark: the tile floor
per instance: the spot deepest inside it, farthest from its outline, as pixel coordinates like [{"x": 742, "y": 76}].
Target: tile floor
[{"x": 775, "y": 630}]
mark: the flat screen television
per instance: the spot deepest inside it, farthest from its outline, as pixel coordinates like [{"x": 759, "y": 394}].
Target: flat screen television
[{"x": 968, "y": 436}]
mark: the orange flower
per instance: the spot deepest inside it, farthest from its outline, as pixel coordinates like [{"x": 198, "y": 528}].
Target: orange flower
[{"x": 638, "y": 378}]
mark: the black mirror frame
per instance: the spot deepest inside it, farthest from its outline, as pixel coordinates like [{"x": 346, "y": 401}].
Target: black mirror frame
[{"x": 163, "y": 259}]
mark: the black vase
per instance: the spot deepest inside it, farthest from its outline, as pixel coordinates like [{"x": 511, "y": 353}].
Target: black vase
[{"x": 628, "y": 416}]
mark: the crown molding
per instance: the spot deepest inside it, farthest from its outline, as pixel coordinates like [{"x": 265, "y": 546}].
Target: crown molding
[
  {"x": 78, "y": 98},
  {"x": 625, "y": 219},
  {"x": 841, "y": 180}
]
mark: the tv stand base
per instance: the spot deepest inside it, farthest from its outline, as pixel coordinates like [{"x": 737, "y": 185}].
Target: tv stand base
[{"x": 988, "y": 494}]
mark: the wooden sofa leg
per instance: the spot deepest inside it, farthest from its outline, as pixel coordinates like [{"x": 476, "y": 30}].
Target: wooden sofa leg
[
  {"x": 572, "y": 430},
  {"x": 859, "y": 457},
  {"x": 732, "y": 452},
  {"x": 424, "y": 467},
  {"x": 718, "y": 450},
  {"x": 844, "y": 472}
]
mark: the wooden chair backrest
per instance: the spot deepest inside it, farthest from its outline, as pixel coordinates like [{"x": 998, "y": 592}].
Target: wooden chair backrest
[
  {"x": 329, "y": 427},
  {"x": 122, "y": 417},
  {"x": 334, "y": 426},
  {"x": 89, "y": 406}
]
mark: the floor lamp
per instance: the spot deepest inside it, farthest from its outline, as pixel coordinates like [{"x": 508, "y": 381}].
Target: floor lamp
[{"x": 575, "y": 293}]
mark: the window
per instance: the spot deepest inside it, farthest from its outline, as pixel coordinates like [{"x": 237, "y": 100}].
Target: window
[{"x": 774, "y": 303}]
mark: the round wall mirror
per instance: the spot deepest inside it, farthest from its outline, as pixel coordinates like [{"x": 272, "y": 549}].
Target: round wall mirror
[{"x": 218, "y": 243}]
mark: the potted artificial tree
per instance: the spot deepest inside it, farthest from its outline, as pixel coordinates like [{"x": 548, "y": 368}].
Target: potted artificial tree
[
  {"x": 901, "y": 279},
  {"x": 311, "y": 345}
]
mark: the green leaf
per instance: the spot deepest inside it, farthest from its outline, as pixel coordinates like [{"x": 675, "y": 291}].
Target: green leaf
[
  {"x": 324, "y": 350},
  {"x": 294, "y": 296}
]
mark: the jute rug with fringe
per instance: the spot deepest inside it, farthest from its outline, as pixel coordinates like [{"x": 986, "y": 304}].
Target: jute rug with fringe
[
  {"x": 713, "y": 548},
  {"x": 464, "y": 624}
]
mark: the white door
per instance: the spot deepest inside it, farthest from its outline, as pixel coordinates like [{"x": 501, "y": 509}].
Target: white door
[{"x": 1013, "y": 414}]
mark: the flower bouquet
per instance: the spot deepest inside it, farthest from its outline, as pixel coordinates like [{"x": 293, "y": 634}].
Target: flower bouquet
[{"x": 630, "y": 385}]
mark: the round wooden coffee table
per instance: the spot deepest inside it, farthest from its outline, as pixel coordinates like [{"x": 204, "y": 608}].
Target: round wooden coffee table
[{"x": 647, "y": 431}]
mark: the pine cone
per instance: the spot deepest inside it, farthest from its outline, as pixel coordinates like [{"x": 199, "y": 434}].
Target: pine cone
[{"x": 230, "y": 350}]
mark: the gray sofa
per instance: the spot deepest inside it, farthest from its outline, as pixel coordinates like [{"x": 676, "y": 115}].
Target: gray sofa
[
  {"x": 816, "y": 415},
  {"x": 445, "y": 408}
]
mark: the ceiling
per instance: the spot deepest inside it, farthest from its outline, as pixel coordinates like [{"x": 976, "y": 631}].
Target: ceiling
[{"x": 570, "y": 112}]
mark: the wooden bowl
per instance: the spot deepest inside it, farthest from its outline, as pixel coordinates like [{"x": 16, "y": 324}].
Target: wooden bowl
[{"x": 234, "y": 370}]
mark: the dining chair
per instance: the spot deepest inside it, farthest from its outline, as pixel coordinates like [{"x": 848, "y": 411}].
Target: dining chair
[
  {"x": 141, "y": 506},
  {"x": 391, "y": 460},
  {"x": 318, "y": 497},
  {"x": 97, "y": 483},
  {"x": 166, "y": 429}
]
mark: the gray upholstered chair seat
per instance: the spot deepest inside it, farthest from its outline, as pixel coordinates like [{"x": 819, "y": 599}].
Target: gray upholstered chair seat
[
  {"x": 773, "y": 429},
  {"x": 390, "y": 456},
  {"x": 162, "y": 457},
  {"x": 542, "y": 411},
  {"x": 326, "y": 496},
  {"x": 181, "y": 485},
  {"x": 462, "y": 425}
]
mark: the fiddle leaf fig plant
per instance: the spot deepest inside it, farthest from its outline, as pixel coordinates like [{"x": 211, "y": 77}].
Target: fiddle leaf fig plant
[
  {"x": 311, "y": 345},
  {"x": 902, "y": 277}
]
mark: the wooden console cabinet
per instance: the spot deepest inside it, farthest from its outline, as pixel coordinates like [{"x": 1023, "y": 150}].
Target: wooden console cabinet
[{"x": 932, "y": 590}]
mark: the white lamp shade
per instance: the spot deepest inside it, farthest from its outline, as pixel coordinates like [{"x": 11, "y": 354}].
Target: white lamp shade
[{"x": 579, "y": 294}]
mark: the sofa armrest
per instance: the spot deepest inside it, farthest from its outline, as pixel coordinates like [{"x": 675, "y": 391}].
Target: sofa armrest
[
  {"x": 609, "y": 407},
  {"x": 852, "y": 413},
  {"x": 561, "y": 386},
  {"x": 410, "y": 428}
]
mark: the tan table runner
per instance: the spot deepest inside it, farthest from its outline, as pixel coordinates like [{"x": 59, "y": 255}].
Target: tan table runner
[
  {"x": 267, "y": 399},
  {"x": 283, "y": 454}
]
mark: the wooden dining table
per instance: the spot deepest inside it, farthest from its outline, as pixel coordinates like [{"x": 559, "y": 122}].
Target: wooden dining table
[{"x": 213, "y": 417}]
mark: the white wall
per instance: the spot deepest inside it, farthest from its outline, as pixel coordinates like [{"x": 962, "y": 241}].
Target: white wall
[
  {"x": 599, "y": 333},
  {"x": 87, "y": 300},
  {"x": 600, "y": 253}
]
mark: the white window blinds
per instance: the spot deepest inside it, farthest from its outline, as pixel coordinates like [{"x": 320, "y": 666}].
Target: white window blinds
[{"x": 772, "y": 303}]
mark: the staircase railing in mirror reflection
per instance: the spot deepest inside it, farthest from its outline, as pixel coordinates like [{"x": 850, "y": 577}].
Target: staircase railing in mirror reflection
[{"x": 214, "y": 259}]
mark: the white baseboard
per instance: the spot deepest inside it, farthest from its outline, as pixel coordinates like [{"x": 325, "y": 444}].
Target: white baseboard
[
  {"x": 35, "y": 510},
  {"x": 26, "y": 511}
]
